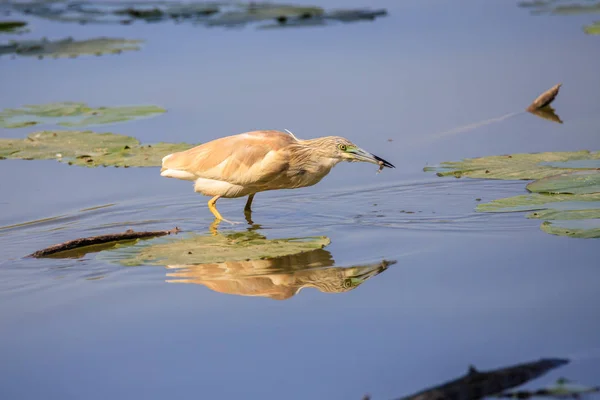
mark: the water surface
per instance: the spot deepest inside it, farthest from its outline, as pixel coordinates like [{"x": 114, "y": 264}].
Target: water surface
[{"x": 467, "y": 288}]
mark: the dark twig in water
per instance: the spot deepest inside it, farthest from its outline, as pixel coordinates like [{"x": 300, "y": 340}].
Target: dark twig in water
[{"x": 129, "y": 234}]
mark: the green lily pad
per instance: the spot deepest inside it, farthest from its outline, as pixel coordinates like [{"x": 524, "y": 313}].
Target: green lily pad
[
  {"x": 207, "y": 248},
  {"x": 68, "y": 48},
  {"x": 584, "y": 229},
  {"x": 12, "y": 26},
  {"x": 575, "y": 215},
  {"x": 524, "y": 166},
  {"x": 566, "y": 8},
  {"x": 561, "y": 7},
  {"x": 539, "y": 201},
  {"x": 566, "y": 215},
  {"x": 577, "y": 182},
  {"x": 73, "y": 114},
  {"x": 214, "y": 13},
  {"x": 593, "y": 29},
  {"x": 86, "y": 148}
]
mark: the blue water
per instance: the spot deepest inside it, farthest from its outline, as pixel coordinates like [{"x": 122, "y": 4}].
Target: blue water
[{"x": 467, "y": 288}]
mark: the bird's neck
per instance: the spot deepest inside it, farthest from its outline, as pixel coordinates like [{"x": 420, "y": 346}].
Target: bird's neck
[{"x": 308, "y": 156}]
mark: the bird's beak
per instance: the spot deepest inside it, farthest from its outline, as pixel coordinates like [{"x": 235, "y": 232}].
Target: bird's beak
[{"x": 362, "y": 155}]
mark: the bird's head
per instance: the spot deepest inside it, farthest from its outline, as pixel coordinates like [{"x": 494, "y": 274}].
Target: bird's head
[{"x": 345, "y": 150}]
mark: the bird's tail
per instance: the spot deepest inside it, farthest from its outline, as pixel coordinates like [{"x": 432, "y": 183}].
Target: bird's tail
[
  {"x": 164, "y": 165},
  {"x": 171, "y": 169}
]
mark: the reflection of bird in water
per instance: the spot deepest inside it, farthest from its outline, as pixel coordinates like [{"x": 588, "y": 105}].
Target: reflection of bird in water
[
  {"x": 277, "y": 278},
  {"x": 252, "y": 162}
]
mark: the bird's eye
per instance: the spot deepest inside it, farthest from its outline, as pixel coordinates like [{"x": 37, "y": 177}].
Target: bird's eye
[{"x": 342, "y": 147}]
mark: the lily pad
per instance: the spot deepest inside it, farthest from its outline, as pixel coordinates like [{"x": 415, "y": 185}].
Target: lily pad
[
  {"x": 216, "y": 13},
  {"x": 593, "y": 29},
  {"x": 561, "y": 7},
  {"x": 584, "y": 229},
  {"x": 575, "y": 215},
  {"x": 208, "y": 248},
  {"x": 86, "y": 148},
  {"x": 539, "y": 201},
  {"x": 68, "y": 47},
  {"x": 524, "y": 166},
  {"x": 74, "y": 114},
  {"x": 577, "y": 182},
  {"x": 566, "y": 8}
]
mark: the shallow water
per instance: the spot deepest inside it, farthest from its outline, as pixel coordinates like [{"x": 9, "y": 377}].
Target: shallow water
[{"x": 467, "y": 288}]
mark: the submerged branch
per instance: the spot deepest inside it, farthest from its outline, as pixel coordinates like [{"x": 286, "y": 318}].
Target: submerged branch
[{"x": 129, "y": 234}]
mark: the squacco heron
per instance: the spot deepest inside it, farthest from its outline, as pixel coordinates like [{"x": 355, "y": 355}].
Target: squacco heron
[{"x": 248, "y": 163}]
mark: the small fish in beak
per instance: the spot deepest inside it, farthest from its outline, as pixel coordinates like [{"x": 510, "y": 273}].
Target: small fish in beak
[{"x": 362, "y": 155}]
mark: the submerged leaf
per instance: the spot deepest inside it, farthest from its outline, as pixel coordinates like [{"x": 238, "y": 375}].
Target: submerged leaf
[
  {"x": 577, "y": 182},
  {"x": 524, "y": 166},
  {"x": 73, "y": 114},
  {"x": 202, "y": 249},
  {"x": 88, "y": 149}
]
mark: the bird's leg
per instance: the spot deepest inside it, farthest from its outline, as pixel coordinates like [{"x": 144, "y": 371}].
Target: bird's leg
[
  {"x": 249, "y": 203},
  {"x": 248, "y": 210},
  {"x": 212, "y": 207}
]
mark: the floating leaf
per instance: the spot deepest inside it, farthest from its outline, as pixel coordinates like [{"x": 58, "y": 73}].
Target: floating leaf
[
  {"x": 208, "y": 248},
  {"x": 582, "y": 229},
  {"x": 565, "y": 7},
  {"x": 577, "y": 182},
  {"x": 538, "y": 201},
  {"x": 575, "y": 215},
  {"x": 73, "y": 114},
  {"x": 218, "y": 13},
  {"x": 558, "y": 7},
  {"x": 522, "y": 166},
  {"x": 86, "y": 148},
  {"x": 68, "y": 47},
  {"x": 593, "y": 29},
  {"x": 566, "y": 215}
]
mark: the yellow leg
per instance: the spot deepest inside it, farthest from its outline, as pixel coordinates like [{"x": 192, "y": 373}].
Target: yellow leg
[
  {"x": 249, "y": 202},
  {"x": 212, "y": 207}
]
